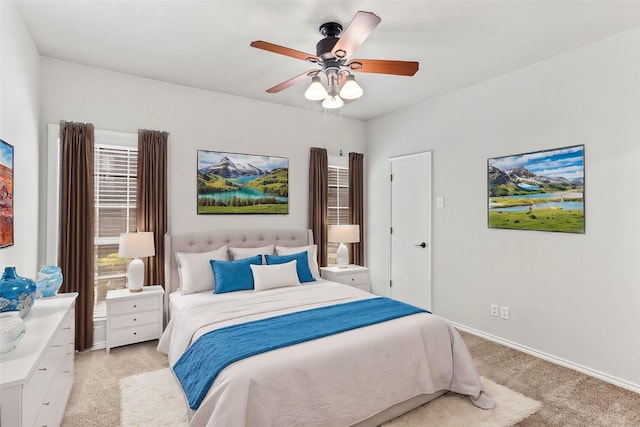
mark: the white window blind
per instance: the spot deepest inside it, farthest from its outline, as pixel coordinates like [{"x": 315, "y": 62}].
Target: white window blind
[
  {"x": 337, "y": 204},
  {"x": 115, "y": 213}
]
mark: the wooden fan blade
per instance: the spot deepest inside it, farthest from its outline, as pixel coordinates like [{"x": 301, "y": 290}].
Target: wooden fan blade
[
  {"x": 357, "y": 31},
  {"x": 292, "y": 81},
  {"x": 284, "y": 51},
  {"x": 382, "y": 66}
]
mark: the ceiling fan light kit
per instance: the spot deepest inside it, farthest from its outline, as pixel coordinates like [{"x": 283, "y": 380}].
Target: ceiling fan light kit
[{"x": 331, "y": 54}]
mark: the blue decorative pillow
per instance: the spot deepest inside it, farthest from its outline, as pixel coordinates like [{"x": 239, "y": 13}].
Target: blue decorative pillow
[
  {"x": 234, "y": 275},
  {"x": 302, "y": 264}
]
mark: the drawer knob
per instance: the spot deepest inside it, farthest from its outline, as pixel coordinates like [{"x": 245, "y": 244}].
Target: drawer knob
[
  {"x": 42, "y": 369},
  {"x": 135, "y": 320},
  {"x": 45, "y": 403},
  {"x": 135, "y": 333},
  {"x": 135, "y": 306}
]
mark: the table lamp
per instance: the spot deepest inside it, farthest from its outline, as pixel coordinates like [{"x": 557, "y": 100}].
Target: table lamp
[
  {"x": 343, "y": 234},
  {"x": 136, "y": 246}
]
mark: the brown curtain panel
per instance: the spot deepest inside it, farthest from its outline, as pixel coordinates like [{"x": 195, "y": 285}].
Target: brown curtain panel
[
  {"x": 356, "y": 205},
  {"x": 76, "y": 254},
  {"x": 318, "y": 194},
  {"x": 151, "y": 211}
]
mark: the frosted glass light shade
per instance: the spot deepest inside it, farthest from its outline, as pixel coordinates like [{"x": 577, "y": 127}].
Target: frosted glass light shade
[
  {"x": 331, "y": 102},
  {"x": 315, "y": 92},
  {"x": 351, "y": 89},
  {"x": 136, "y": 245}
]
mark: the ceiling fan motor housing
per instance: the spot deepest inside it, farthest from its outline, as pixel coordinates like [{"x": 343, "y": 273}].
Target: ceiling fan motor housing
[{"x": 331, "y": 32}]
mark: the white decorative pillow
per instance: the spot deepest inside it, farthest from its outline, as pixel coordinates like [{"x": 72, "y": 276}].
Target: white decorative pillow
[
  {"x": 241, "y": 253},
  {"x": 312, "y": 251},
  {"x": 195, "y": 271},
  {"x": 274, "y": 276}
]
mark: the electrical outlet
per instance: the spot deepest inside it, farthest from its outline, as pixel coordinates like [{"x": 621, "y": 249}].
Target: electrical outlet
[
  {"x": 494, "y": 310},
  {"x": 504, "y": 312}
]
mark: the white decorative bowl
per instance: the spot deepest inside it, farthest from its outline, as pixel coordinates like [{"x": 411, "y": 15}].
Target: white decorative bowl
[{"x": 12, "y": 329}]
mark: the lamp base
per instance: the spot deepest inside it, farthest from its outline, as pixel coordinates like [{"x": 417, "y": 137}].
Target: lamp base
[
  {"x": 342, "y": 256},
  {"x": 135, "y": 275}
]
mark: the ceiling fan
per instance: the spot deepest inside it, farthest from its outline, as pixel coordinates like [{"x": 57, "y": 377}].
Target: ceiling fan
[{"x": 332, "y": 54}]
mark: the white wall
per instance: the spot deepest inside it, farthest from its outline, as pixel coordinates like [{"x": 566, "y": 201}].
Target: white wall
[
  {"x": 197, "y": 119},
  {"x": 19, "y": 96},
  {"x": 572, "y": 297}
]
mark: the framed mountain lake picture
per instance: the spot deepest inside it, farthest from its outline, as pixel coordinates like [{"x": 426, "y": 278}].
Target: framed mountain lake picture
[
  {"x": 232, "y": 183},
  {"x": 543, "y": 190},
  {"x": 6, "y": 194}
]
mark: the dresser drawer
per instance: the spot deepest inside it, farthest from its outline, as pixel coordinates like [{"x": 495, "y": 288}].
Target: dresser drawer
[
  {"x": 134, "y": 305},
  {"x": 49, "y": 367},
  {"x": 133, "y": 319},
  {"x": 135, "y": 334}
]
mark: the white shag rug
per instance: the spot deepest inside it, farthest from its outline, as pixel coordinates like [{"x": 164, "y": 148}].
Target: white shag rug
[{"x": 154, "y": 398}]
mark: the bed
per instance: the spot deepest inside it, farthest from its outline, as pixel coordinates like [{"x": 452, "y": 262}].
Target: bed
[{"x": 362, "y": 376}]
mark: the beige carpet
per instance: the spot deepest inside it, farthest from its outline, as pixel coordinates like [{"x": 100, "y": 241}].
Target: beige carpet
[{"x": 163, "y": 405}]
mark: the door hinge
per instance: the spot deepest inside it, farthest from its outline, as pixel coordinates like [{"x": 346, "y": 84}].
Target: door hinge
[
  {"x": 391, "y": 177},
  {"x": 391, "y": 283},
  {"x": 390, "y": 230}
]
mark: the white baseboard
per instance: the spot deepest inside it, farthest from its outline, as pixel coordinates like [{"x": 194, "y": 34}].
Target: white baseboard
[{"x": 553, "y": 359}]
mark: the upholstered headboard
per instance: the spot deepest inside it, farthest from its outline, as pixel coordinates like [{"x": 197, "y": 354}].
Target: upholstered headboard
[{"x": 203, "y": 241}]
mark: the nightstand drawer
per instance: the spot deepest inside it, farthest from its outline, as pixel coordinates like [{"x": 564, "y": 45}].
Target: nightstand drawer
[
  {"x": 360, "y": 278},
  {"x": 134, "y": 305},
  {"x": 353, "y": 275},
  {"x": 129, "y": 320},
  {"x": 135, "y": 334}
]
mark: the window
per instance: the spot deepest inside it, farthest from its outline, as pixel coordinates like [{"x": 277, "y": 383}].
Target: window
[
  {"x": 337, "y": 204},
  {"x": 115, "y": 213}
]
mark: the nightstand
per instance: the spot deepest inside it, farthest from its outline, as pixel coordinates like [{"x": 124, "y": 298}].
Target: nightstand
[
  {"x": 352, "y": 275},
  {"x": 134, "y": 317}
]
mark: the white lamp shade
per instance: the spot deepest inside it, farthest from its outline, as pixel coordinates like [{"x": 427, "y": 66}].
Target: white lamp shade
[
  {"x": 351, "y": 89},
  {"x": 136, "y": 245},
  {"x": 344, "y": 233}
]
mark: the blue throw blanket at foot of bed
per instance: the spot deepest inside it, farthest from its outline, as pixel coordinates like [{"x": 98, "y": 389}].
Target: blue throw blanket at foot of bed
[{"x": 198, "y": 367}]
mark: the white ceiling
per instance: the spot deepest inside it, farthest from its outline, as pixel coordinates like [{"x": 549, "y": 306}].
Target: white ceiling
[{"x": 205, "y": 44}]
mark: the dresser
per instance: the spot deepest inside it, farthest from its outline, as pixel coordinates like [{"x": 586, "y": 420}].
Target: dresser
[
  {"x": 353, "y": 275},
  {"x": 36, "y": 377},
  {"x": 134, "y": 317}
]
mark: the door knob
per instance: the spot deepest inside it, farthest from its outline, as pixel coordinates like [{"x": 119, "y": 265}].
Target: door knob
[{"x": 422, "y": 245}]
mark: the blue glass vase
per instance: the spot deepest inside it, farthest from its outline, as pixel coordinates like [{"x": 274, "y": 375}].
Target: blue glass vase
[
  {"x": 48, "y": 281},
  {"x": 16, "y": 293}
]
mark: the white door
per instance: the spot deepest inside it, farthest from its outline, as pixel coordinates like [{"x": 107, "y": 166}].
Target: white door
[{"x": 410, "y": 232}]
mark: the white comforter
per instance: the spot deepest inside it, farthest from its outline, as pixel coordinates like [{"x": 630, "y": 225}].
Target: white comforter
[{"x": 339, "y": 380}]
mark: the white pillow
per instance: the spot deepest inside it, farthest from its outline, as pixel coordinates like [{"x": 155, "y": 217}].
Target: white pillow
[
  {"x": 241, "y": 253},
  {"x": 194, "y": 269},
  {"x": 312, "y": 251},
  {"x": 274, "y": 276}
]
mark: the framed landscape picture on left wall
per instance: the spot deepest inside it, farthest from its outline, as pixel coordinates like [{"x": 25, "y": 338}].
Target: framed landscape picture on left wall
[{"x": 6, "y": 194}]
